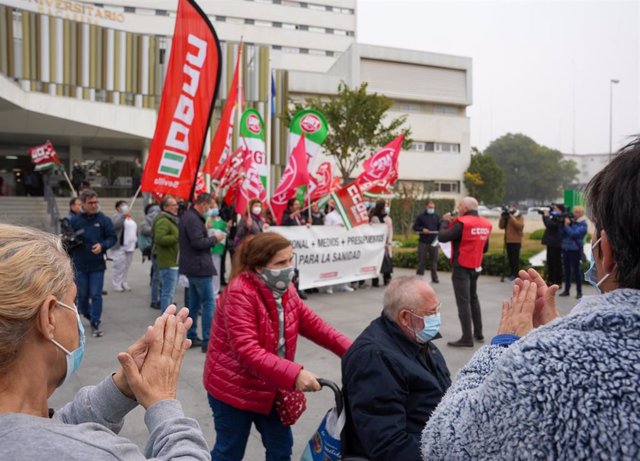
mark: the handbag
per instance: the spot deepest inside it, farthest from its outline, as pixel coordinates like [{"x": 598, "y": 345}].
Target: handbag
[
  {"x": 326, "y": 444},
  {"x": 290, "y": 404},
  {"x": 387, "y": 264}
]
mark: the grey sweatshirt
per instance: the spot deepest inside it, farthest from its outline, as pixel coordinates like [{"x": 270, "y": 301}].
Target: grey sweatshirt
[{"x": 86, "y": 428}]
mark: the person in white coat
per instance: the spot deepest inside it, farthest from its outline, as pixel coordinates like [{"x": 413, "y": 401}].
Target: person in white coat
[{"x": 122, "y": 252}]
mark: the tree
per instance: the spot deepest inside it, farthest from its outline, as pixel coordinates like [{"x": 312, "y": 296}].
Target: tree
[
  {"x": 356, "y": 125},
  {"x": 484, "y": 179},
  {"x": 531, "y": 171}
]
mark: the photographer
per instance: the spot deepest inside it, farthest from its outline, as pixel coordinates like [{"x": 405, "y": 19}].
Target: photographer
[
  {"x": 512, "y": 222},
  {"x": 573, "y": 234},
  {"x": 552, "y": 238}
]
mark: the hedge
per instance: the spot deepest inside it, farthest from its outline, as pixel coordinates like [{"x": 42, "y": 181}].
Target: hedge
[{"x": 492, "y": 263}]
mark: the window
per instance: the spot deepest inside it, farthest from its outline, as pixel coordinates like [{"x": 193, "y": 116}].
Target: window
[
  {"x": 304, "y": 5},
  {"x": 446, "y": 110},
  {"x": 129, "y": 9},
  {"x": 417, "y": 146},
  {"x": 440, "y": 147},
  {"x": 302, "y": 27},
  {"x": 316, "y": 30},
  {"x": 162, "y": 13},
  {"x": 249, "y": 21},
  {"x": 262, "y": 23},
  {"x": 329, "y": 53},
  {"x": 221, "y": 18},
  {"x": 276, "y": 24},
  {"x": 446, "y": 186},
  {"x": 329, "y": 31},
  {"x": 276, "y": 47}
]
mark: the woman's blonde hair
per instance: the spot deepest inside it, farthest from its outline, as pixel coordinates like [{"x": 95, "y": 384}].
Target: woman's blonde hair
[{"x": 33, "y": 265}]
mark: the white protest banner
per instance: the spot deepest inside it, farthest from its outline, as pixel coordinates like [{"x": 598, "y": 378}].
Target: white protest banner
[{"x": 328, "y": 255}]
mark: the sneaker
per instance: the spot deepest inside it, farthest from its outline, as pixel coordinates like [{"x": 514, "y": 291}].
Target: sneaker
[
  {"x": 125, "y": 286},
  {"x": 155, "y": 305},
  {"x": 348, "y": 289},
  {"x": 96, "y": 332},
  {"x": 118, "y": 288},
  {"x": 196, "y": 342},
  {"x": 579, "y": 295},
  {"x": 329, "y": 290},
  {"x": 564, "y": 293}
]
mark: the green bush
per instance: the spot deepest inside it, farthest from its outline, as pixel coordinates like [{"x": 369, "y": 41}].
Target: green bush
[
  {"x": 536, "y": 234},
  {"x": 492, "y": 263},
  {"x": 405, "y": 209}
]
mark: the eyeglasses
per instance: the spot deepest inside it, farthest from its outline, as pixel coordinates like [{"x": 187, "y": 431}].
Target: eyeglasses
[{"x": 436, "y": 310}]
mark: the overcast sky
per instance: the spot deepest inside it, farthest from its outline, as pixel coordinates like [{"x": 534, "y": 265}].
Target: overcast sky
[{"x": 539, "y": 68}]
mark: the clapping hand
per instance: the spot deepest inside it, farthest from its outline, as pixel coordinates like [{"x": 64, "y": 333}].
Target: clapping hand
[
  {"x": 152, "y": 365},
  {"x": 545, "y": 304},
  {"x": 517, "y": 314}
]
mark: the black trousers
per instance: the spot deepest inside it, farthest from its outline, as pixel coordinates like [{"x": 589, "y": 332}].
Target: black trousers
[
  {"x": 572, "y": 267},
  {"x": 554, "y": 265},
  {"x": 465, "y": 288},
  {"x": 423, "y": 249},
  {"x": 513, "y": 254}
]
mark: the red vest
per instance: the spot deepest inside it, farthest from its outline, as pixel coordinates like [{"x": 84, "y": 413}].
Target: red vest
[{"x": 475, "y": 233}]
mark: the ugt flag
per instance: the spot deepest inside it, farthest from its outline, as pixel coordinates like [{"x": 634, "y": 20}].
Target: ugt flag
[
  {"x": 252, "y": 138},
  {"x": 381, "y": 169},
  {"x": 43, "y": 156},
  {"x": 313, "y": 125},
  {"x": 251, "y": 186},
  {"x": 188, "y": 96},
  {"x": 295, "y": 175}
]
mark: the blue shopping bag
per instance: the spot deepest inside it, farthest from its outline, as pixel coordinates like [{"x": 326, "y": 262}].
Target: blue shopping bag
[{"x": 325, "y": 444}]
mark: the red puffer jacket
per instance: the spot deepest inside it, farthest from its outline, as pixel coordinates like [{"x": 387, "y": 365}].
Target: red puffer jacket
[{"x": 242, "y": 367}]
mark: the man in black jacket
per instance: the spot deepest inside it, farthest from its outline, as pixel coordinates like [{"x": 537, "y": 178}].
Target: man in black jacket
[
  {"x": 393, "y": 376},
  {"x": 195, "y": 262},
  {"x": 427, "y": 225},
  {"x": 552, "y": 238}
]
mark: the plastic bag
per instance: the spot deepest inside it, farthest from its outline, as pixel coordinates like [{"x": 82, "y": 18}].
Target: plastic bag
[{"x": 325, "y": 445}]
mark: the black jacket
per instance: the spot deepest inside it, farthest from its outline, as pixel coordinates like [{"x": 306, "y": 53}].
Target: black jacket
[
  {"x": 195, "y": 246},
  {"x": 91, "y": 229},
  {"x": 552, "y": 236},
  {"x": 427, "y": 221},
  {"x": 391, "y": 386}
]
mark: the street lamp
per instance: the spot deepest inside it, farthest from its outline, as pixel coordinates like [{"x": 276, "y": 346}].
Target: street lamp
[{"x": 612, "y": 82}]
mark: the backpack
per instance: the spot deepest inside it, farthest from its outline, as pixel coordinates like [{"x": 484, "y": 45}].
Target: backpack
[{"x": 145, "y": 243}]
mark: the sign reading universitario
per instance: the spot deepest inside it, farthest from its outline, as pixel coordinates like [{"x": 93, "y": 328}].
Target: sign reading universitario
[
  {"x": 188, "y": 96},
  {"x": 327, "y": 255}
]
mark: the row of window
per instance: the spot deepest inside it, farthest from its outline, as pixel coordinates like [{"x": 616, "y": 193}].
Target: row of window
[
  {"x": 428, "y": 146},
  {"x": 233, "y": 20},
  {"x": 428, "y": 187},
  {"x": 403, "y": 106},
  {"x": 311, "y": 6}
]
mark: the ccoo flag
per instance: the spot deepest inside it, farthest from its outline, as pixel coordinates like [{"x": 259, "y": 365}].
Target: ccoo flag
[
  {"x": 188, "y": 96},
  {"x": 381, "y": 169}
]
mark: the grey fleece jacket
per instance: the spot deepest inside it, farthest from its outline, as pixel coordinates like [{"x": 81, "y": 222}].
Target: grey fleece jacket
[{"x": 86, "y": 428}]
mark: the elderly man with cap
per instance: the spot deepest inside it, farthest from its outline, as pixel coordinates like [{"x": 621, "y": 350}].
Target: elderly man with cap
[
  {"x": 469, "y": 236},
  {"x": 393, "y": 375}
]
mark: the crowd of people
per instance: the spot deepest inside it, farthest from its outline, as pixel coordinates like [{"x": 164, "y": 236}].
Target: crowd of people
[{"x": 544, "y": 387}]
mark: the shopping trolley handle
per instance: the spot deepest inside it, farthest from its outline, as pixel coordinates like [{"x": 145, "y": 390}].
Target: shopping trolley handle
[{"x": 336, "y": 392}]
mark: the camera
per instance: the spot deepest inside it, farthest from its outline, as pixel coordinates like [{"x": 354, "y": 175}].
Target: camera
[
  {"x": 70, "y": 237},
  {"x": 506, "y": 211}
]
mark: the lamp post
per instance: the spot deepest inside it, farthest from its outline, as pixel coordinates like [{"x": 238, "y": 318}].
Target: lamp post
[{"x": 612, "y": 82}]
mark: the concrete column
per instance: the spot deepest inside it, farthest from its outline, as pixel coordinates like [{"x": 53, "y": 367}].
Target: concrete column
[{"x": 75, "y": 153}]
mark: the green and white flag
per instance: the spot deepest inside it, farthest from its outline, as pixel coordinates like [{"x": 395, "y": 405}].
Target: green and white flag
[
  {"x": 314, "y": 126},
  {"x": 252, "y": 138}
]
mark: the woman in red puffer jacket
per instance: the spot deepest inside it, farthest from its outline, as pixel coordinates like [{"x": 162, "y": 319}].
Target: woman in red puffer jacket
[{"x": 250, "y": 366}]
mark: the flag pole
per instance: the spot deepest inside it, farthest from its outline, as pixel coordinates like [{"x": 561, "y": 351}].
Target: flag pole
[
  {"x": 135, "y": 196},
  {"x": 66, "y": 176}
]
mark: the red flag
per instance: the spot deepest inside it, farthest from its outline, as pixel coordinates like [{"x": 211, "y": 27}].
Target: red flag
[
  {"x": 350, "y": 205},
  {"x": 221, "y": 145},
  {"x": 43, "y": 156},
  {"x": 234, "y": 168},
  {"x": 188, "y": 96},
  {"x": 321, "y": 183},
  {"x": 381, "y": 169},
  {"x": 295, "y": 175},
  {"x": 251, "y": 185},
  {"x": 201, "y": 185}
]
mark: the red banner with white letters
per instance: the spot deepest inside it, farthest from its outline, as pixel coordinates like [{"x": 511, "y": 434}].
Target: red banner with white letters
[{"x": 188, "y": 96}]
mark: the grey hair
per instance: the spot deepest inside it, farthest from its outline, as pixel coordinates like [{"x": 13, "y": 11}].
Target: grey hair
[{"x": 403, "y": 292}]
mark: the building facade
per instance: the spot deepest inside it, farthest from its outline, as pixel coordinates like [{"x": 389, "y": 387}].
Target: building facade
[
  {"x": 588, "y": 165},
  {"x": 88, "y": 76}
]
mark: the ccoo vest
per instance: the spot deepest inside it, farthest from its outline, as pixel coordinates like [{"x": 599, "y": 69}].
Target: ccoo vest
[{"x": 475, "y": 233}]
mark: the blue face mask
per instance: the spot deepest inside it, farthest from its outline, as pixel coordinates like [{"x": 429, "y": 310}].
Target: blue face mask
[
  {"x": 73, "y": 357},
  {"x": 209, "y": 213},
  {"x": 215, "y": 212},
  {"x": 431, "y": 327},
  {"x": 591, "y": 276}
]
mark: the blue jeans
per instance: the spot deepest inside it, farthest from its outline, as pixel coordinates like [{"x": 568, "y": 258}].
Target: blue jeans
[
  {"x": 90, "y": 288},
  {"x": 155, "y": 280},
  {"x": 169, "y": 278},
  {"x": 201, "y": 296},
  {"x": 233, "y": 427}
]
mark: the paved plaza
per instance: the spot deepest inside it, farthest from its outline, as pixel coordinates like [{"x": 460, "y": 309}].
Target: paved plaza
[{"x": 126, "y": 316}]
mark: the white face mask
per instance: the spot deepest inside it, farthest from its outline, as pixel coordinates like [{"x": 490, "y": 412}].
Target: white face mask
[{"x": 256, "y": 210}]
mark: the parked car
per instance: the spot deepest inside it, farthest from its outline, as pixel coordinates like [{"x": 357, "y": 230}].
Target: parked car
[{"x": 537, "y": 209}]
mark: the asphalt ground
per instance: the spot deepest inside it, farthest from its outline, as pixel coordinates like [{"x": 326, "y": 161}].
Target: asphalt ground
[{"x": 127, "y": 314}]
